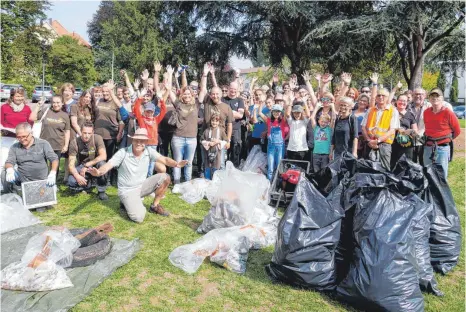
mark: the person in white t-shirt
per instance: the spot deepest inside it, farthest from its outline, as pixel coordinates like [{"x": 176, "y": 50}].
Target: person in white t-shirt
[{"x": 297, "y": 116}]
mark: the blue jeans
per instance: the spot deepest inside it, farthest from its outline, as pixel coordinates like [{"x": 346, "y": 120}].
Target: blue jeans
[
  {"x": 183, "y": 149},
  {"x": 274, "y": 156},
  {"x": 442, "y": 158},
  {"x": 150, "y": 170},
  {"x": 209, "y": 173}
]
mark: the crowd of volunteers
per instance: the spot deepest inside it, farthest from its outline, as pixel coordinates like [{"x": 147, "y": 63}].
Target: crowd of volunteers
[{"x": 123, "y": 135}]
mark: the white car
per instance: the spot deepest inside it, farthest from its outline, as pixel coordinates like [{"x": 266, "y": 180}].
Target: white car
[{"x": 5, "y": 90}]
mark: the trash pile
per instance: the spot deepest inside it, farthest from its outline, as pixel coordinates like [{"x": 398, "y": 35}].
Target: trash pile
[
  {"x": 42, "y": 266},
  {"x": 14, "y": 215},
  {"x": 373, "y": 237},
  {"x": 256, "y": 161},
  {"x": 238, "y": 221}
]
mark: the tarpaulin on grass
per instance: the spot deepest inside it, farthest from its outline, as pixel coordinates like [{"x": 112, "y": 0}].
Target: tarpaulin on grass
[{"x": 84, "y": 279}]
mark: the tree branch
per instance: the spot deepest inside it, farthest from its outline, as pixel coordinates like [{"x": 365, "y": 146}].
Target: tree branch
[
  {"x": 403, "y": 63},
  {"x": 410, "y": 47},
  {"x": 435, "y": 40}
]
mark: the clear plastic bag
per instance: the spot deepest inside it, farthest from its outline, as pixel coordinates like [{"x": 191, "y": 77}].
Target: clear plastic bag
[
  {"x": 227, "y": 247},
  {"x": 240, "y": 198},
  {"x": 256, "y": 161},
  {"x": 14, "y": 215},
  {"x": 59, "y": 243},
  {"x": 47, "y": 276},
  {"x": 192, "y": 191}
]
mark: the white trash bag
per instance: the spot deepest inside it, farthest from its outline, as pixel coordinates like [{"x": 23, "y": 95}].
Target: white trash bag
[
  {"x": 42, "y": 266},
  {"x": 256, "y": 161},
  {"x": 13, "y": 214},
  {"x": 192, "y": 191}
]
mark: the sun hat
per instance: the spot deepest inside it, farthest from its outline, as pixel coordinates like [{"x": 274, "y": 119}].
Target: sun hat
[
  {"x": 140, "y": 134},
  {"x": 277, "y": 107},
  {"x": 436, "y": 91}
]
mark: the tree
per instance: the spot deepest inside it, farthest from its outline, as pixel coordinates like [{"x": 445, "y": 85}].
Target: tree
[
  {"x": 441, "y": 81},
  {"x": 70, "y": 62},
  {"x": 454, "y": 89},
  {"x": 416, "y": 28},
  {"x": 20, "y": 42}
]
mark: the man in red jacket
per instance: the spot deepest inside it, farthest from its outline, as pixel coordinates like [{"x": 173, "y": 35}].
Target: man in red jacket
[{"x": 442, "y": 127}]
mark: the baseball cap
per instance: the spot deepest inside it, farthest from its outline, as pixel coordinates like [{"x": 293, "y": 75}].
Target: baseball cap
[
  {"x": 436, "y": 91},
  {"x": 149, "y": 107},
  {"x": 297, "y": 109},
  {"x": 277, "y": 107}
]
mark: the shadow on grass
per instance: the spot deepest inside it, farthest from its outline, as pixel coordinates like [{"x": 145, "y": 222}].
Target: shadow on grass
[
  {"x": 112, "y": 202},
  {"x": 191, "y": 223}
]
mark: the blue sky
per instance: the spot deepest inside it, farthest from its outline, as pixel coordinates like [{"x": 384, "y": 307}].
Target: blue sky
[{"x": 74, "y": 15}]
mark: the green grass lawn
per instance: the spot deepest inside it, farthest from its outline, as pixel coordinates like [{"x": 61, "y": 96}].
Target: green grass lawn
[
  {"x": 462, "y": 123},
  {"x": 150, "y": 283}
]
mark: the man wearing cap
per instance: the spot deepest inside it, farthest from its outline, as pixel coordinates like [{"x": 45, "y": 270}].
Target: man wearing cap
[
  {"x": 132, "y": 163},
  {"x": 379, "y": 126},
  {"x": 441, "y": 127},
  {"x": 237, "y": 106}
]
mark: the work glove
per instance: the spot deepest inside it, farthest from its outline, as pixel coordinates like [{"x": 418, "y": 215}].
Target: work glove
[
  {"x": 10, "y": 175},
  {"x": 52, "y": 178}
]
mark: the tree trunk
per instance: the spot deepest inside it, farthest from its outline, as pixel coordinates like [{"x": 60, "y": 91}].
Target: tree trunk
[{"x": 416, "y": 74}]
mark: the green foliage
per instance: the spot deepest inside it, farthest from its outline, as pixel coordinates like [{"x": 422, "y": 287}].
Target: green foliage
[
  {"x": 70, "y": 62},
  {"x": 441, "y": 80},
  {"x": 429, "y": 80},
  {"x": 454, "y": 89},
  {"x": 22, "y": 53}
]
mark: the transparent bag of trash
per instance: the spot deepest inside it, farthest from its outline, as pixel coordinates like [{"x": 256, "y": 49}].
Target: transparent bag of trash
[
  {"x": 56, "y": 245},
  {"x": 227, "y": 247},
  {"x": 47, "y": 276},
  {"x": 192, "y": 191},
  {"x": 256, "y": 161},
  {"x": 13, "y": 214}
]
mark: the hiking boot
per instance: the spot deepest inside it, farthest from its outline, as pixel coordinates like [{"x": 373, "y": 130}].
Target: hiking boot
[
  {"x": 103, "y": 196},
  {"x": 159, "y": 210}
]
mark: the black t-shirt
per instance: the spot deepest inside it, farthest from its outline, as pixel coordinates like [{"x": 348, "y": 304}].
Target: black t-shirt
[
  {"x": 88, "y": 151},
  {"x": 343, "y": 135},
  {"x": 235, "y": 104},
  {"x": 407, "y": 120}
]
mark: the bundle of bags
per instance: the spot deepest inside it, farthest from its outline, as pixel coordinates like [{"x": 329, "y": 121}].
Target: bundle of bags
[{"x": 372, "y": 236}]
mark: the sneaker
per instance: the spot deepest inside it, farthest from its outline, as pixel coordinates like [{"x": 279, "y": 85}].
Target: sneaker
[
  {"x": 103, "y": 196},
  {"x": 159, "y": 210}
]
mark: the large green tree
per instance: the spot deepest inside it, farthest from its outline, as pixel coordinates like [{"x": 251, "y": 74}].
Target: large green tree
[
  {"x": 21, "y": 49},
  {"x": 70, "y": 62}
]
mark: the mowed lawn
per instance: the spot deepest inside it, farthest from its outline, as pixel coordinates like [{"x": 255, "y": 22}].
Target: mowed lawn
[{"x": 150, "y": 283}]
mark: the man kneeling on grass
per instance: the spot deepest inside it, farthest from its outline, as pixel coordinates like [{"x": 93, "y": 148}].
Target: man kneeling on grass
[{"x": 132, "y": 163}]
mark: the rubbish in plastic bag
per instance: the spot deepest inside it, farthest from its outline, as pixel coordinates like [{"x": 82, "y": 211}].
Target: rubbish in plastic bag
[
  {"x": 383, "y": 274},
  {"x": 14, "y": 215},
  {"x": 445, "y": 228},
  {"x": 256, "y": 161},
  {"x": 308, "y": 234},
  {"x": 95, "y": 245},
  {"x": 241, "y": 198},
  {"x": 192, "y": 191},
  {"x": 42, "y": 265},
  {"x": 227, "y": 247}
]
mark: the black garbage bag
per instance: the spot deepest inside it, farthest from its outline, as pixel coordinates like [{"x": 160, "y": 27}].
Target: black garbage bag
[
  {"x": 383, "y": 274},
  {"x": 445, "y": 228},
  {"x": 308, "y": 234},
  {"x": 410, "y": 176}
]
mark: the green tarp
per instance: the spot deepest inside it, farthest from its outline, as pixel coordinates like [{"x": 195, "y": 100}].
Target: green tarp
[{"x": 84, "y": 279}]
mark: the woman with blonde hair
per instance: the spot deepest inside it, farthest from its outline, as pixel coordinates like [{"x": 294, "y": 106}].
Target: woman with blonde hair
[{"x": 67, "y": 92}]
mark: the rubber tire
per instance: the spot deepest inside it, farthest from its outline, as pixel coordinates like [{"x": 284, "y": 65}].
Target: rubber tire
[{"x": 89, "y": 255}]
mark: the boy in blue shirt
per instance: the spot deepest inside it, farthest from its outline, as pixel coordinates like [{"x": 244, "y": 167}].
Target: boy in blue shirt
[{"x": 322, "y": 141}]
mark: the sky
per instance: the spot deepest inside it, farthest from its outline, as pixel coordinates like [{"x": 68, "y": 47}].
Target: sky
[{"x": 74, "y": 15}]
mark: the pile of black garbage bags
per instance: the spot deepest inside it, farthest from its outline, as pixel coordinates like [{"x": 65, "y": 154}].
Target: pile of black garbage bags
[{"x": 371, "y": 237}]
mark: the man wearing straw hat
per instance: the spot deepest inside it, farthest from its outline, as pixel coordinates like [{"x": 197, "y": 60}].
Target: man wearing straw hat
[{"x": 132, "y": 163}]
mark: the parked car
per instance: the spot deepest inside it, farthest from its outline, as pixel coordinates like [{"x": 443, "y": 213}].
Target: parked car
[
  {"x": 5, "y": 90},
  {"x": 38, "y": 93},
  {"x": 77, "y": 93},
  {"x": 459, "y": 111}
]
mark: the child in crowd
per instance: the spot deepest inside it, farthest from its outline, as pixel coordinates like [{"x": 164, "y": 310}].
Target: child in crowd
[
  {"x": 150, "y": 122},
  {"x": 322, "y": 139},
  {"x": 276, "y": 133},
  {"x": 297, "y": 117},
  {"x": 213, "y": 140}
]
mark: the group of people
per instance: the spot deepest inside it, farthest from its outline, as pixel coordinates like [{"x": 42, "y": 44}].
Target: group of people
[{"x": 124, "y": 134}]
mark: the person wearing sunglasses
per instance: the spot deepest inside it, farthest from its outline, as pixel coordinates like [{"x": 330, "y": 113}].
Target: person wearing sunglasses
[
  {"x": 30, "y": 154},
  {"x": 325, "y": 106},
  {"x": 378, "y": 128}
]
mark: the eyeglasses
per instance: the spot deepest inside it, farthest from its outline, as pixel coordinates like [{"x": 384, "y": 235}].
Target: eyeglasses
[
  {"x": 325, "y": 99},
  {"x": 366, "y": 91},
  {"x": 23, "y": 137},
  {"x": 225, "y": 90},
  {"x": 383, "y": 95}
]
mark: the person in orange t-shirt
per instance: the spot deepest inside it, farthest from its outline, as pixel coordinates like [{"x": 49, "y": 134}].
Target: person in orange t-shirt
[{"x": 146, "y": 119}]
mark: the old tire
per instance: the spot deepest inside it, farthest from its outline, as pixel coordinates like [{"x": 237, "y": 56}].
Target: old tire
[{"x": 89, "y": 255}]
